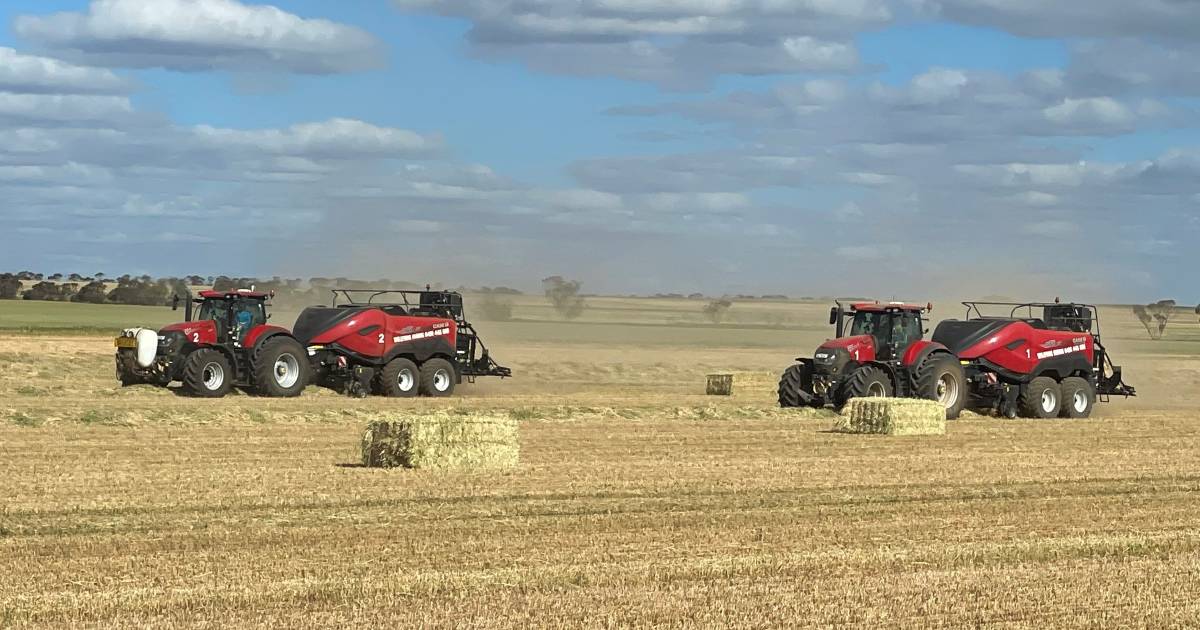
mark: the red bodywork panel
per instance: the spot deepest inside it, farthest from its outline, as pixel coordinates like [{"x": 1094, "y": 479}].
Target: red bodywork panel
[
  {"x": 1038, "y": 345},
  {"x": 387, "y": 332},
  {"x": 861, "y": 348},
  {"x": 918, "y": 348},
  {"x": 260, "y": 331},
  {"x": 201, "y": 332}
]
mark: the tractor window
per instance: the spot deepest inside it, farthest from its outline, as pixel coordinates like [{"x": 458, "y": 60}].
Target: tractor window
[
  {"x": 906, "y": 329},
  {"x": 246, "y": 315},
  {"x": 212, "y": 309},
  {"x": 870, "y": 323}
]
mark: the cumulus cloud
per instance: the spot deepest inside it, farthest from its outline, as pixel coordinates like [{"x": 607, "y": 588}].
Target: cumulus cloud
[
  {"x": 338, "y": 137},
  {"x": 1095, "y": 18},
  {"x": 195, "y": 35},
  {"x": 675, "y": 44},
  {"x": 31, "y": 74}
]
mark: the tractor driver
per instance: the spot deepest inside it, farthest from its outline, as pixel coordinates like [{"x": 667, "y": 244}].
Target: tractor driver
[{"x": 244, "y": 316}]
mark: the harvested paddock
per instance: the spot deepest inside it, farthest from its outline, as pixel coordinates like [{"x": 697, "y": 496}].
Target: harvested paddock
[{"x": 639, "y": 501}]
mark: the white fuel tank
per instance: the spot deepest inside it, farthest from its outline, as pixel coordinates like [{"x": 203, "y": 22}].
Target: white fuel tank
[{"x": 147, "y": 345}]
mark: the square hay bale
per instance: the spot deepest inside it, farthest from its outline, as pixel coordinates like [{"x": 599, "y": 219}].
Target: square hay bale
[
  {"x": 892, "y": 416},
  {"x": 442, "y": 440},
  {"x": 720, "y": 385}
]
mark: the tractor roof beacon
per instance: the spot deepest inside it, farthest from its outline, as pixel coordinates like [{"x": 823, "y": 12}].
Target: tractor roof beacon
[
  {"x": 227, "y": 344},
  {"x": 394, "y": 343},
  {"x": 1033, "y": 366}
]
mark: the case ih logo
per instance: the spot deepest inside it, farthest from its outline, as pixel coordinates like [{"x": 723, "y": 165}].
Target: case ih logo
[{"x": 1053, "y": 343}]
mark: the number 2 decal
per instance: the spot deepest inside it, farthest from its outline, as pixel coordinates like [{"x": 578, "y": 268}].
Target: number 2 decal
[
  {"x": 380, "y": 337},
  {"x": 195, "y": 337}
]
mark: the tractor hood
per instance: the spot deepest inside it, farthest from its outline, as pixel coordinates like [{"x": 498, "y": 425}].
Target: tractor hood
[
  {"x": 860, "y": 348},
  {"x": 834, "y": 356},
  {"x": 203, "y": 331}
]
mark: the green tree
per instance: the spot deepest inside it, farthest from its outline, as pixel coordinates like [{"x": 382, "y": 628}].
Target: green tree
[
  {"x": 91, "y": 293},
  {"x": 10, "y": 286},
  {"x": 564, "y": 296}
]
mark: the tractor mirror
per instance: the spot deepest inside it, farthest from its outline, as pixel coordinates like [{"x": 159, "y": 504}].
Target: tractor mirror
[{"x": 833, "y": 316}]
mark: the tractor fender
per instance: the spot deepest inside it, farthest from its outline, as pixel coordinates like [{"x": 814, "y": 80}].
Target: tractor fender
[
  {"x": 263, "y": 332},
  {"x": 919, "y": 351}
]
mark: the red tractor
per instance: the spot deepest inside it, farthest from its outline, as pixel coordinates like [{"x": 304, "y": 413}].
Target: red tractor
[
  {"x": 394, "y": 343},
  {"x": 1014, "y": 364},
  {"x": 228, "y": 344},
  {"x": 884, "y": 354}
]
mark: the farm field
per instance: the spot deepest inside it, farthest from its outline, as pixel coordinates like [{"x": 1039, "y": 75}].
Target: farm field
[{"x": 639, "y": 501}]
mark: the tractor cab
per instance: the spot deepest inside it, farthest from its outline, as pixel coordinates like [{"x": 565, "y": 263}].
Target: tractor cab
[
  {"x": 888, "y": 329},
  {"x": 233, "y": 313}
]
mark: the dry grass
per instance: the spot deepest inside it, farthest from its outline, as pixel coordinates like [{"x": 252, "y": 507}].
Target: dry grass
[{"x": 639, "y": 501}]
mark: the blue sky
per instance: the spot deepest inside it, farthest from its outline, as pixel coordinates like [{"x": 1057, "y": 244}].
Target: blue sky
[{"x": 662, "y": 149}]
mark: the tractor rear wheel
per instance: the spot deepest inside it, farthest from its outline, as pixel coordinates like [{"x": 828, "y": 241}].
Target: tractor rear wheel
[
  {"x": 1078, "y": 397},
  {"x": 1041, "y": 398},
  {"x": 207, "y": 374},
  {"x": 791, "y": 384},
  {"x": 398, "y": 379},
  {"x": 281, "y": 368},
  {"x": 940, "y": 377},
  {"x": 867, "y": 381},
  {"x": 438, "y": 378}
]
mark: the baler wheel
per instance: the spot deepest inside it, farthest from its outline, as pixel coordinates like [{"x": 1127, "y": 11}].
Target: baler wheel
[
  {"x": 438, "y": 378},
  {"x": 1078, "y": 397},
  {"x": 1041, "y": 398},
  {"x": 940, "y": 377},
  {"x": 398, "y": 379}
]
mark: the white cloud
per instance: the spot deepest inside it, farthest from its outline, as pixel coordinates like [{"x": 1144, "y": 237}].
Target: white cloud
[
  {"x": 678, "y": 44},
  {"x": 333, "y": 138},
  {"x": 1089, "y": 111},
  {"x": 202, "y": 35},
  {"x": 41, "y": 75},
  {"x": 64, "y": 109}
]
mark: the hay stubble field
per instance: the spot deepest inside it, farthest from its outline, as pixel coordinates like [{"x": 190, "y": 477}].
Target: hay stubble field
[{"x": 638, "y": 502}]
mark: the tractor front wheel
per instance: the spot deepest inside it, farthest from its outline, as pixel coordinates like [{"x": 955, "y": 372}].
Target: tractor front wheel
[
  {"x": 791, "y": 387},
  {"x": 281, "y": 368},
  {"x": 866, "y": 382},
  {"x": 207, "y": 374},
  {"x": 941, "y": 378}
]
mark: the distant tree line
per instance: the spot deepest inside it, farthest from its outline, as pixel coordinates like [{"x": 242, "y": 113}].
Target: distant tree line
[{"x": 145, "y": 290}]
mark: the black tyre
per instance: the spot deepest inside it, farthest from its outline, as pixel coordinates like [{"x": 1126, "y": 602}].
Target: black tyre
[
  {"x": 940, "y": 377},
  {"x": 1078, "y": 398},
  {"x": 867, "y": 381},
  {"x": 281, "y": 368},
  {"x": 400, "y": 378},
  {"x": 207, "y": 374},
  {"x": 438, "y": 378},
  {"x": 791, "y": 386},
  {"x": 1041, "y": 398}
]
